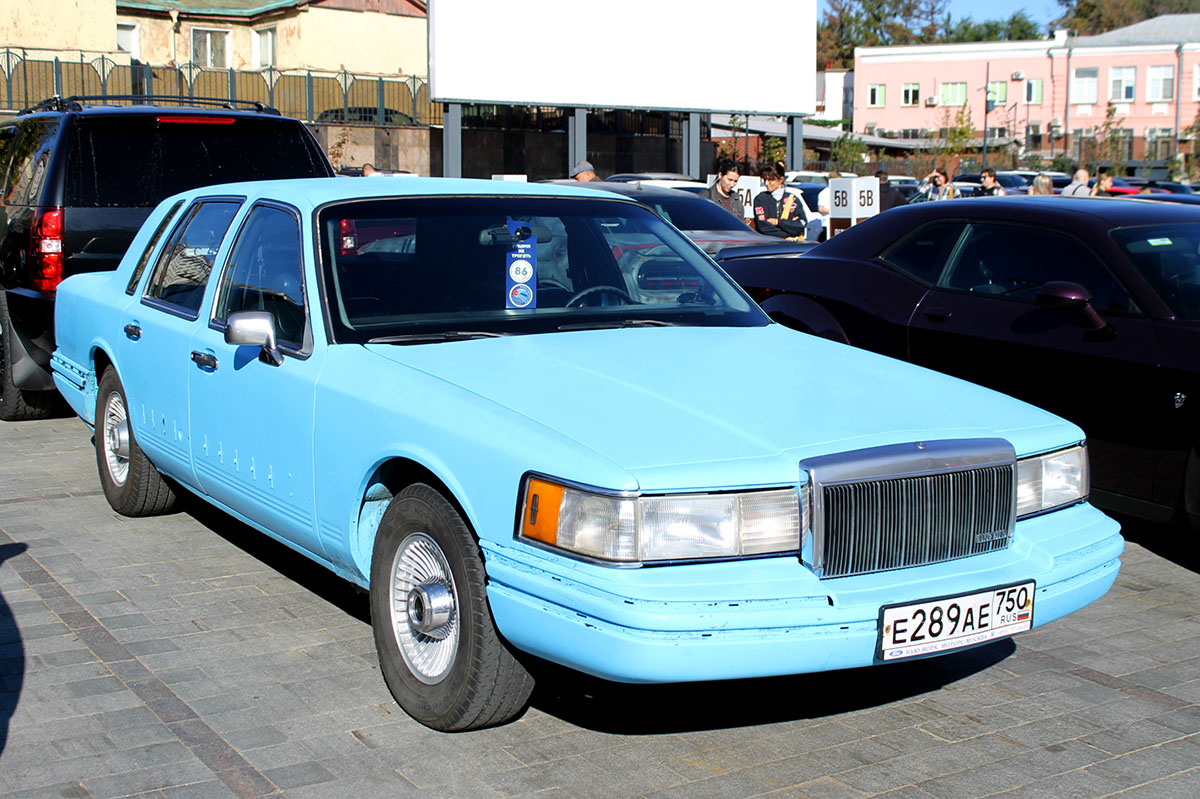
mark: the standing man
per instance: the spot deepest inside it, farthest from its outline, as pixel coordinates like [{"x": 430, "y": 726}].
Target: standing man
[
  {"x": 889, "y": 195},
  {"x": 989, "y": 186},
  {"x": 722, "y": 190},
  {"x": 1078, "y": 187},
  {"x": 583, "y": 172}
]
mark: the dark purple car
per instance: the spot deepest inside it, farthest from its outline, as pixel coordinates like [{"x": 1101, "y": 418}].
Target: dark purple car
[{"x": 1087, "y": 307}]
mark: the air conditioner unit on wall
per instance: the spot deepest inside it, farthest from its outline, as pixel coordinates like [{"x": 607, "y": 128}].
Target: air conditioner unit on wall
[
  {"x": 1018, "y": 75},
  {"x": 931, "y": 101}
]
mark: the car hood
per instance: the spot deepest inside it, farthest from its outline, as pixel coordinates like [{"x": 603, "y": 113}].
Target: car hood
[{"x": 701, "y": 407}]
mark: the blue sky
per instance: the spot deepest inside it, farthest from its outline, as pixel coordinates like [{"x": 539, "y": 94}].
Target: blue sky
[{"x": 1040, "y": 11}]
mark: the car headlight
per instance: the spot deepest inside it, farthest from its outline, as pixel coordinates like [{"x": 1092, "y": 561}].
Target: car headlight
[
  {"x": 633, "y": 528},
  {"x": 1052, "y": 480}
]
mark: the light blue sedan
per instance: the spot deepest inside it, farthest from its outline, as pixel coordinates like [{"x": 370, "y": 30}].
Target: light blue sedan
[{"x": 538, "y": 421}]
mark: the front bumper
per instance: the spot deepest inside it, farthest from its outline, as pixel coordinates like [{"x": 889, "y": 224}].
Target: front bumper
[{"x": 769, "y": 617}]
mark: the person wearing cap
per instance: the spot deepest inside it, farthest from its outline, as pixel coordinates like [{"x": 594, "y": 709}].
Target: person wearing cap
[{"x": 583, "y": 172}]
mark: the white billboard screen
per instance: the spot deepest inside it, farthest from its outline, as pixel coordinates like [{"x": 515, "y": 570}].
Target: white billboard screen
[{"x": 644, "y": 54}]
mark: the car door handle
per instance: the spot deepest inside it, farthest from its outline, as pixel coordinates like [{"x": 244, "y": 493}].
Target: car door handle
[
  {"x": 936, "y": 313},
  {"x": 133, "y": 331},
  {"x": 205, "y": 360}
]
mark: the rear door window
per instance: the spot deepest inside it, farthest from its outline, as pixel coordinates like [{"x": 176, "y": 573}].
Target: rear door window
[
  {"x": 125, "y": 160},
  {"x": 31, "y": 150},
  {"x": 187, "y": 259}
]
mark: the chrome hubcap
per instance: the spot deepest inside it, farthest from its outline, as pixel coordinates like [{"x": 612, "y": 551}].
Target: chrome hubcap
[
  {"x": 424, "y": 608},
  {"x": 115, "y": 437}
]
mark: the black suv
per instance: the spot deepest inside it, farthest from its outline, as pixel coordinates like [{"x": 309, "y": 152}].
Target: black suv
[{"x": 77, "y": 181}]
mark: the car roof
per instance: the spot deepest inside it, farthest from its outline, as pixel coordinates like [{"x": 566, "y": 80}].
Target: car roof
[
  {"x": 1044, "y": 211},
  {"x": 318, "y": 191},
  {"x": 92, "y": 105},
  {"x": 632, "y": 188}
]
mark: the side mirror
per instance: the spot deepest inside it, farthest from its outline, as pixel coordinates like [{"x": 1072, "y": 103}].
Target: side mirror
[
  {"x": 254, "y": 329},
  {"x": 1065, "y": 295}
]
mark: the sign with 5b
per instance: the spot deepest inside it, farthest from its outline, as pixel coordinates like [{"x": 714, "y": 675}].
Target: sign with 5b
[{"x": 852, "y": 200}]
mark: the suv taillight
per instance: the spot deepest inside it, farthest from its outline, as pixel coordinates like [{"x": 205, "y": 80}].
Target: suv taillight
[{"x": 46, "y": 249}]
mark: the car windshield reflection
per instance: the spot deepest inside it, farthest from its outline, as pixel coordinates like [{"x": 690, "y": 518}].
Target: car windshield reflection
[
  {"x": 1169, "y": 258},
  {"x": 446, "y": 269}
]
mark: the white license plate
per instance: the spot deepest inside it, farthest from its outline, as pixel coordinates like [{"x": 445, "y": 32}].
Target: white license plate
[{"x": 933, "y": 626}]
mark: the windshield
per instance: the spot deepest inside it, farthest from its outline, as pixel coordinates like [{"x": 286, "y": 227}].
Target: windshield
[
  {"x": 1169, "y": 258},
  {"x": 466, "y": 266}
]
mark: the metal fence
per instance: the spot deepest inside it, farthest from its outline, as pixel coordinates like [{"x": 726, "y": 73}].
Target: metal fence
[{"x": 311, "y": 95}]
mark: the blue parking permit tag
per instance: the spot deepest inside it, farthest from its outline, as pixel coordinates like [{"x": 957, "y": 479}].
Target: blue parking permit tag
[{"x": 521, "y": 283}]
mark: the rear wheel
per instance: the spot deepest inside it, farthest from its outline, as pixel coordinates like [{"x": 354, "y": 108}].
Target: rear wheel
[
  {"x": 131, "y": 483},
  {"x": 439, "y": 650},
  {"x": 17, "y": 404}
]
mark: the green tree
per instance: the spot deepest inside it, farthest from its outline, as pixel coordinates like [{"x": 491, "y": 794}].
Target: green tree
[
  {"x": 1018, "y": 27},
  {"x": 958, "y": 135},
  {"x": 847, "y": 152},
  {"x": 1089, "y": 17},
  {"x": 1110, "y": 141}
]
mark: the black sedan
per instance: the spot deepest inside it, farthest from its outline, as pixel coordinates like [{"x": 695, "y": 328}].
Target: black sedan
[
  {"x": 701, "y": 220},
  {"x": 1089, "y": 308}
]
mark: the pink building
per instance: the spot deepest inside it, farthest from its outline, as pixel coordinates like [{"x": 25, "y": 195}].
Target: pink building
[{"x": 1048, "y": 96}]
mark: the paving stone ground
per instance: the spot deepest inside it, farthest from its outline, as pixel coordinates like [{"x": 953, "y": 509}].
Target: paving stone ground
[{"x": 189, "y": 657}]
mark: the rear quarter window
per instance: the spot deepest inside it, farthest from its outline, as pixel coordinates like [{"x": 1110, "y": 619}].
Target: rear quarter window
[
  {"x": 923, "y": 253},
  {"x": 30, "y": 150},
  {"x": 137, "y": 160}
]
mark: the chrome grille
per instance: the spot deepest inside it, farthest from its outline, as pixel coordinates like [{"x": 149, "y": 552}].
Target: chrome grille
[{"x": 910, "y": 505}]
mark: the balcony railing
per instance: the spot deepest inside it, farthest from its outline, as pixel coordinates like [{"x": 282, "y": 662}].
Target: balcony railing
[{"x": 311, "y": 95}]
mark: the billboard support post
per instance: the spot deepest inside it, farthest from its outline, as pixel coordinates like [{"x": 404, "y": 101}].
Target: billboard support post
[
  {"x": 576, "y": 136},
  {"x": 452, "y": 141},
  {"x": 795, "y": 143},
  {"x": 691, "y": 145}
]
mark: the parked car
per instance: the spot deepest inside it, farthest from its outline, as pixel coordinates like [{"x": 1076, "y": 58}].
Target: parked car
[
  {"x": 365, "y": 115},
  {"x": 1087, "y": 307},
  {"x": 700, "y": 219},
  {"x": 633, "y": 177},
  {"x": 77, "y": 181},
  {"x": 1012, "y": 184},
  {"x": 1159, "y": 185},
  {"x": 537, "y": 420},
  {"x": 1165, "y": 197}
]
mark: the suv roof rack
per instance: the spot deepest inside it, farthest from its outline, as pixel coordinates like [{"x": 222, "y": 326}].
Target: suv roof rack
[{"x": 76, "y": 102}]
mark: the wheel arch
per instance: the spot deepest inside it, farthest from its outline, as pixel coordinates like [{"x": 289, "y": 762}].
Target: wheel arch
[{"x": 389, "y": 478}]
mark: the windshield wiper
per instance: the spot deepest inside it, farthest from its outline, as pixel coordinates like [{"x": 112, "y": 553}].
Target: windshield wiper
[
  {"x": 618, "y": 323},
  {"x": 426, "y": 338}
]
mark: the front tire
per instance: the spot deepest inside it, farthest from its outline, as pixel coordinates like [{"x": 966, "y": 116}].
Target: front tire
[
  {"x": 439, "y": 650},
  {"x": 131, "y": 483}
]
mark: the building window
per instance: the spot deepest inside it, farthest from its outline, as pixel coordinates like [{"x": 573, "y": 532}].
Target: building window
[
  {"x": 998, "y": 92},
  {"x": 1160, "y": 84},
  {"x": 1033, "y": 92},
  {"x": 954, "y": 94},
  {"x": 264, "y": 47},
  {"x": 912, "y": 93},
  {"x": 876, "y": 95},
  {"x": 1033, "y": 136},
  {"x": 1083, "y": 85},
  {"x": 128, "y": 40},
  {"x": 209, "y": 48},
  {"x": 1122, "y": 81}
]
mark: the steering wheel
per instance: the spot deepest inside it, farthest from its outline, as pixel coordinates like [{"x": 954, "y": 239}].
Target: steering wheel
[{"x": 579, "y": 295}]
